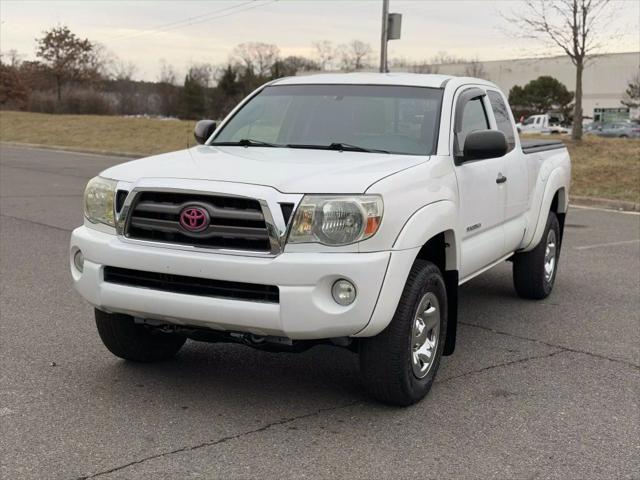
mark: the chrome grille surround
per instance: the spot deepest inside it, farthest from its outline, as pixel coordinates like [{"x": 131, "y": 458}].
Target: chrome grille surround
[{"x": 274, "y": 235}]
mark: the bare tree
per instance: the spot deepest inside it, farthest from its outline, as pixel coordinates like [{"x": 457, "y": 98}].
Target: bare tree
[
  {"x": 125, "y": 88},
  {"x": 424, "y": 66},
  {"x": 325, "y": 53},
  {"x": 355, "y": 55},
  {"x": 11, "y": 58},
  {"x": 124, "y": 70},
  {"x": 432, "y": 65},
  {"x": 475, "y": 69},
  {"x": 167, "y": 74},
  {"x": 257, "y": 56},
  {"x": 570, "y": 25},
  {"x": 202, "y": 73},
  {"x": 443, "y": 58}
]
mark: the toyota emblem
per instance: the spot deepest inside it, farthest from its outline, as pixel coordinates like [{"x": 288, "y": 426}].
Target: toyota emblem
[{"x": 194, "y": 219}]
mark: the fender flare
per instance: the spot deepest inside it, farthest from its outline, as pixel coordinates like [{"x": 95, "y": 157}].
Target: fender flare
[
  {"x": 425, "y": 223},
  {"x": 557, "y": 181}
]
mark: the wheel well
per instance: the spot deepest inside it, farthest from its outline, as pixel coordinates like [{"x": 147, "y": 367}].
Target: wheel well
[
  {"x": 441, "y": 250},
  {"x": 434, "y": 251}
]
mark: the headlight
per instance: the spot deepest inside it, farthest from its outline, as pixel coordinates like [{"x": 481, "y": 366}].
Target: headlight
[
  {"x": 98, "y": 201},
  {"x": 335, "y": 220}
]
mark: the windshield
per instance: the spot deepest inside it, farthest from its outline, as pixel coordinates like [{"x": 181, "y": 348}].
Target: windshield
[{"x": 386, "y": 118}]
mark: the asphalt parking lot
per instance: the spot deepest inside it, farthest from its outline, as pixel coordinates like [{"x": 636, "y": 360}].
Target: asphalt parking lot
[{"x": 544, "y": 389}]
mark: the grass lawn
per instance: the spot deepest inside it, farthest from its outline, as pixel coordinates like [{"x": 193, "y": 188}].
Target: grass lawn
[
  {"x": 602, "y": 167},
  {"x": 144, "y": 136}
]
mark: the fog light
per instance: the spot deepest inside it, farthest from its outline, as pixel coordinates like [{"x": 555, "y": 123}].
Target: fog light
[
  {"x": 78, "y": 260},
  {"x": 344, "y": 292}
]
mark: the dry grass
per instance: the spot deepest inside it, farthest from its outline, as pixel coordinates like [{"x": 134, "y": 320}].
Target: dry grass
[
  {"x": 602, "y": 167},
  {"x": 98, "y": 133}
]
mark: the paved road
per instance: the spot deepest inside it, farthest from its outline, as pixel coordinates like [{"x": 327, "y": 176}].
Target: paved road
[{"x": 535, "y": 390}]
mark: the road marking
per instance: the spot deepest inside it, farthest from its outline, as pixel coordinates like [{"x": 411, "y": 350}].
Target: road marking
[
  {"x": 611, "y": 244},
  {"x": 600, "y": 209}
]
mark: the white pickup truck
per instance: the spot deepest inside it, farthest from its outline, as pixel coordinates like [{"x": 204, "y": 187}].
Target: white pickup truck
[
  {"x": 341, "y": 209},
  {"x": 542, "y": 124}
]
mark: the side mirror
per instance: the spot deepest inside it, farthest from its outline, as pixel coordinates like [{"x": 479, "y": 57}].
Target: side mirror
[
  {"x": 483, "y": 144},
  {"x": 203, "y": 130}
]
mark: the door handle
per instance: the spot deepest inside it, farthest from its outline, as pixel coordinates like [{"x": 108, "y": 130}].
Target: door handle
[{"x": 501, "y": 178}]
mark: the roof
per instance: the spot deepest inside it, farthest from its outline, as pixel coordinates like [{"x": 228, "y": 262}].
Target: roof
[{"x": 367, "y": 78}]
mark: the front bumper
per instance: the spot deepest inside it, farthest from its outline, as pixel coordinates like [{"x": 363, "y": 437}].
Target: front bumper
[{"x": 306, "y": 309}]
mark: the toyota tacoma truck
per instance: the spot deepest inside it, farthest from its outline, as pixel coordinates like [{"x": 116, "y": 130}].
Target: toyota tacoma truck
[{"x": 341, "y": 209}]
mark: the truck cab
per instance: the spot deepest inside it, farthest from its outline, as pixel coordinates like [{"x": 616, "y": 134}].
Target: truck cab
[{"x": 341, "y": 209}]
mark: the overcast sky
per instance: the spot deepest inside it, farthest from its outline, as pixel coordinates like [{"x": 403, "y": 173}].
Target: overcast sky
[{"x": 185, "y": 32}]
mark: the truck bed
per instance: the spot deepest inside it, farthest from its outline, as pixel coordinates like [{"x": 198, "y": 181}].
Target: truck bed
[{"x": 533, "y": 146}]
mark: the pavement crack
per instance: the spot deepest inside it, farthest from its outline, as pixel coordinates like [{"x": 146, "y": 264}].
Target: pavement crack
[
  {"x": 504, "y": 364},
  {"x": 553, "y": 345},
  {"x": 33, "y": 222},
  {"x": 70, "y": 195},
  {"x": 47, "y": 172},
  {"x": 210, "y": 443}
]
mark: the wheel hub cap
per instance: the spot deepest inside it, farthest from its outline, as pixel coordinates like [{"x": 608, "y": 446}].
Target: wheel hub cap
[
  {"x": 425, "y": 334},
  {"x": 550, "y": 256}
]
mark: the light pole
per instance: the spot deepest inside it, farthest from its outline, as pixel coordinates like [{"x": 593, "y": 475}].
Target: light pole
[
  {"x": 383, "y": 40},
  {"x": 391, "y": 26}
]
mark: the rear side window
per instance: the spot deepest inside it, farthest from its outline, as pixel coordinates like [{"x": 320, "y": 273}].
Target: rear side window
[
  {"x": 474, "y": 118},
  {"x": 502, "y": 117}
]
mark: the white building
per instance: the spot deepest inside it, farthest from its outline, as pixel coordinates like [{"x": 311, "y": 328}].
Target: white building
[{"x": 604, "y": 81}]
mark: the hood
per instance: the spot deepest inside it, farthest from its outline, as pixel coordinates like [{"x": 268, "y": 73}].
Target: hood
[{"x": 285, "y": 169}]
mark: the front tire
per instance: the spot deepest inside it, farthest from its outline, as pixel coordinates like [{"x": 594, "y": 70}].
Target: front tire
[
  {"x": 534, "y": 272},
  {"x": 133, "y": 341},
  {"x": 399, "y": 365}
]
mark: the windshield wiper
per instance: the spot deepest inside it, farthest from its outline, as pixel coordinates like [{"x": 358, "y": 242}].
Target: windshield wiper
[
  {"x": 354, "y": 148},
  {"x": 247, "y": 142},
  {"x": 338, "y": 146}
]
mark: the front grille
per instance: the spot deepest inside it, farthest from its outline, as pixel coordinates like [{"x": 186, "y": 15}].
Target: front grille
[
  {"x": 237, "y": 223},
  {"x": 203, "y": 287}
]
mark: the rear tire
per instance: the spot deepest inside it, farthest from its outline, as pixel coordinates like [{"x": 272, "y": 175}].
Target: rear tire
[
  {"x": 392, "y": 364},
  {"x": 132, "y": 341},
  {"x": 534, "y": 272}
]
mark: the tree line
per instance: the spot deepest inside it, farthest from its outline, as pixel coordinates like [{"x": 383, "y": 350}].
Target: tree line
[{"x": 76, "y": 75}]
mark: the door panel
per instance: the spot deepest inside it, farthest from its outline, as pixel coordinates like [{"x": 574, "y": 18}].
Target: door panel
[
  {"x": 482, "y": 200},
  {"x": 515, "y": 169},
  {"x": 481, "y": 214}
]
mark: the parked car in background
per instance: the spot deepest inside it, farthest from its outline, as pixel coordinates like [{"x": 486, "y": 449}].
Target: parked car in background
[
  {"x": 330, "y": 209},
  {"x": 545, "y": 123},
  {"x": 615, "y": 129}
]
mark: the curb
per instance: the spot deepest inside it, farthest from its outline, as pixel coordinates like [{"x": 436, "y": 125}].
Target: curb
[
  {"x": 61, "y": 148},
  {"x": 605, "y": 203}
]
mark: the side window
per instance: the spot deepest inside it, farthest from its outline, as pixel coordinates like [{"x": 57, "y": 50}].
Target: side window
[
  {"x": 474, "y": 118},
  {"x": 501, "y": 112}
]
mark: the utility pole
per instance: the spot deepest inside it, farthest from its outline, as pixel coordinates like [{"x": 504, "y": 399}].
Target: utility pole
[
  {"x": 391, "y": 26},
  {"x": 383, "y": 40}
]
